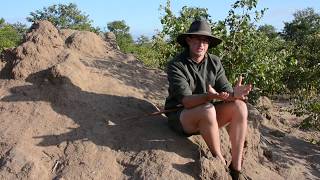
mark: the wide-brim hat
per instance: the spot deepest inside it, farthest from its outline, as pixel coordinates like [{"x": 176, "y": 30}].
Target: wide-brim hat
[{"x": 199, "y": 27}]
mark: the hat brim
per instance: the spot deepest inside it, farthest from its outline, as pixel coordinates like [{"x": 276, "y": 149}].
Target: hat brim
[{"x": 214, "y": 41}]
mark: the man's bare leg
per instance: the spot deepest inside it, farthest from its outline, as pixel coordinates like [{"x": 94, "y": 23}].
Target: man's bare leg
[
  {"x": 203, "y": 119},
  {"x": 236, "y": 114}
]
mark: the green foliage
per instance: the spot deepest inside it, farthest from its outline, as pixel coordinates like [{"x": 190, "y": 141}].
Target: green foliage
[
  {"x": 143, "y": 51},
  {"x": 303, "y": 68},
  {"x": 9, "y": 35},
  {"x": 64, "y": 16},
  {"x": 306, "y": 22},
  {"x": 20, "y": 28},
  {"x": 308, "y": 105},
  {"x": 143, "y": 40},
  {"x": 123, "y": 37},
  {"x": 269, "y": 30},
  {"x": 249, "y": 52},
  {"x": 304, "y": 65},
  {"x": 118, "y": 27},
  {"x": 125, "y": 42}
]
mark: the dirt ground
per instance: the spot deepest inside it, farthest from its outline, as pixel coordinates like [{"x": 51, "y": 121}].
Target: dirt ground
[{"x": 72, "y": 106}]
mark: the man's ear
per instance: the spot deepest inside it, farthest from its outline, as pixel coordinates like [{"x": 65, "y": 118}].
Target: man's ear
[{"x": 188, "y": 39}]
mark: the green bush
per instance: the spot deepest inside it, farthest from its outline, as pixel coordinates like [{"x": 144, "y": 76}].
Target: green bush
[
  {"x": 64, "y": 17},
  {"x": 308, "y": 105},
  {"x": 9, "y": 36},
  {"x": 249, "y": 52}
]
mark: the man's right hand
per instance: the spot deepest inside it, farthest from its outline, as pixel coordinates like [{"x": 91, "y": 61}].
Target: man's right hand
[
  {"x": 198, "y": 99},
  {"x": 213, "y": 94}
]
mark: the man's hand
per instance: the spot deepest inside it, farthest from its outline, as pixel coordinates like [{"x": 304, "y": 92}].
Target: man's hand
[
  {"x": 241, "y": 91},
  {"x": 213, "y": 94}
]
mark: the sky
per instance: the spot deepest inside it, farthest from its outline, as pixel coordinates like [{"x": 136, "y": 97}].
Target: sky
[{"x": 143, "y": 16}]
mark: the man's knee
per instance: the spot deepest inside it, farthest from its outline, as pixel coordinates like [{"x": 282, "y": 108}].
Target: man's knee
[
  {"x": 241, "y": 109},
  {"x": 209, "y": 113},
  {"x": 209, "y": 109}
]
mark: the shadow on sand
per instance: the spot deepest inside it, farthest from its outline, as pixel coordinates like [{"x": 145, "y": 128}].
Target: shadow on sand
[
  {"x": 290, "y": 151},
  {"x": 106, "y": 120}
]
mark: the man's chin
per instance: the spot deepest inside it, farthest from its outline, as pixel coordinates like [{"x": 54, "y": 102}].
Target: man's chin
[{"x": 201, "y": 53}]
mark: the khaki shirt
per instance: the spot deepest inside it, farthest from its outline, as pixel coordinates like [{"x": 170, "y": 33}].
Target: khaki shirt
[{"x": 187, "y": 78}]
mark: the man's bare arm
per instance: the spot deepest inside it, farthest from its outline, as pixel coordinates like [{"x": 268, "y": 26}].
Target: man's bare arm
[{"x": 198, "y": 99}]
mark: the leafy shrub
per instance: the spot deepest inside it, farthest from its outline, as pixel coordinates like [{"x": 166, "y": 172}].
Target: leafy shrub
[
  {"x": 64, "y": 16},
  {"x": 309, "y": 105},
  {"x": 9, "y": 36}
]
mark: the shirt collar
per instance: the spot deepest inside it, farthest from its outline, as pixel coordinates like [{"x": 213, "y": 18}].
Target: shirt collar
[{"x": 190, "y": 60}]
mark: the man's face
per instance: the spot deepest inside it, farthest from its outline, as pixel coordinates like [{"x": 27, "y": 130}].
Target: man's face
[{"x": 198, "y": 45}]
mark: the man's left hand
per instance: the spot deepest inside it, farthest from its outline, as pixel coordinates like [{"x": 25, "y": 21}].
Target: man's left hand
[{"x": 241, "y": 91}]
